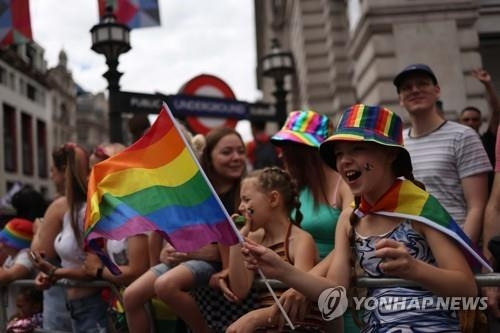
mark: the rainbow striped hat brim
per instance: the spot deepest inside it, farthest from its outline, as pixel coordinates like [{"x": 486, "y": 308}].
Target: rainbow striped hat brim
[
  {"x": 304, "y": 127},
  {"x": 367, "y": 123}
]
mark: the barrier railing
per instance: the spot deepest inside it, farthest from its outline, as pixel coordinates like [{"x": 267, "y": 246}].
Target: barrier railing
[{"x": 482, "y": 280}]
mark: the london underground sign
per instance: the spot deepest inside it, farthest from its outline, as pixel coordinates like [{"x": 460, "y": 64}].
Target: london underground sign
[{"x": 206, "y": 85}]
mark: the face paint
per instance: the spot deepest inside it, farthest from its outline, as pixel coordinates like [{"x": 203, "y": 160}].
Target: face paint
[
  {"x": 250, "y": 211},
  {"x": 368, "y": 167}
]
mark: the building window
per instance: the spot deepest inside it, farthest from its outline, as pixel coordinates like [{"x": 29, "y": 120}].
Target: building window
[
  {"x": 9, "y": 140},
  {"x": 31, "y": 92},
  {"x": 12, "y": 81},
  {"x": 27, "y": 143},
  {"x": 3, "y": 75},
  {"x": 41, "y": 142},
  {"x": 22, "y": 87}
]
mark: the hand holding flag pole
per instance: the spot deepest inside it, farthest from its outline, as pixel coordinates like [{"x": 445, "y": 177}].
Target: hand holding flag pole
[
  {"x": 236, "y": 230},
  {"x": 157, "y": 184}
]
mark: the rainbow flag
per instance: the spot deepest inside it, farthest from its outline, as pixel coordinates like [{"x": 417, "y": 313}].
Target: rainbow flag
[
  {"x": 406, "y": 200},
  {"x": 156, "y": 184}
]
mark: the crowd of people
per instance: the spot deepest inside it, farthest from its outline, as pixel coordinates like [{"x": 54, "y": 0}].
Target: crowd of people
[{"x": 319, "y": 208}]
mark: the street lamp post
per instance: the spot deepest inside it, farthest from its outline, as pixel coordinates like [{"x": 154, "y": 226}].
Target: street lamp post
[
  {"x": 112, "y": 39},
  {"x": 277, "y": 65}
]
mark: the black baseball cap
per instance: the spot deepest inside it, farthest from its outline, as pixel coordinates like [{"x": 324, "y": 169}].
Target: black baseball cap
[{"x": 415, "y": 68}]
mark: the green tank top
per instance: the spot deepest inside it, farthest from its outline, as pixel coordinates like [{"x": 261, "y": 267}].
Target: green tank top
[{"x": 319, "y": 221}]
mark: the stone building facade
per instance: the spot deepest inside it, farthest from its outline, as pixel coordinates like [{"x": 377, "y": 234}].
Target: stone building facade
[
  {"x": 41, "y": 109},
  {"x": 25, "y": 118},
  {"x": 349, "y": 51},
  {"x": 63, "y": 102}
]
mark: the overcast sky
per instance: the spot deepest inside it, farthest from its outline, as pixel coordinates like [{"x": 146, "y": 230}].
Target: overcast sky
[{"x": 195, "y": 37}]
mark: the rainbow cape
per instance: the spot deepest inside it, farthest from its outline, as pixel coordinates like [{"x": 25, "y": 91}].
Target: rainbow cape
[
  {"x": 406, "y": 200},
  {"x": 156, "y": 184}
]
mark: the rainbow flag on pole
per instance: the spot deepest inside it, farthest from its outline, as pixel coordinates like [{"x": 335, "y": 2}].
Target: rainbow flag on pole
[
  {"x": 156, "y": 184},
  {"x": 406, "y": 200}
]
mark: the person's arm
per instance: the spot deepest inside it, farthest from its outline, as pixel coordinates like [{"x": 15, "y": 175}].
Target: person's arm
[
  {"x": 345, "y": 199},
  {"x": 17, "y": 271},
  {"x": 250, "y": 321},
  {"x": 451, "y": 277},
  {"x": 485, "y": 78},
  {"x": 155, "y": 244},
  {"x": 209, "y": 252},
  {"x": 304, "y": 253},
  {"x": 55, "y": 273},
  {"x": 137, "y": 248},
  {"x": 257, "y": 256},
  {"x": 43, "y": 240},
  {"x": 240, "y": 279},
  {"x": 476, "y": 194},
  {"x": 491, "y": 225},
  {"x": 321, "y": 268}
]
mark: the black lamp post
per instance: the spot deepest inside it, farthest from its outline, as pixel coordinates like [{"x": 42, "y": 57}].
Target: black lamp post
[
  {"x": 112, "y": 39},
  {"x": 277, "y": 65}
]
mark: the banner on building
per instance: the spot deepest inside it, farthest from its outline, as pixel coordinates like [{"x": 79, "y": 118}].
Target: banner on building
[
  {"x": 15, "y": 23},
  {"x": 133, "y": 13}
]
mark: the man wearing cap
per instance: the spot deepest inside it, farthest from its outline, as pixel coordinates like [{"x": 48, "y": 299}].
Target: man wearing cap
[{"x": 446, "y": 156}]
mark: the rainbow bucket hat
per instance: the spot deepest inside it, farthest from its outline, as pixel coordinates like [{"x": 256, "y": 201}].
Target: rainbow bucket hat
[
  {"x": 373, "y": 124},
  {"x": 305, "y": 127},
  {"x": 17, "y": 234}
]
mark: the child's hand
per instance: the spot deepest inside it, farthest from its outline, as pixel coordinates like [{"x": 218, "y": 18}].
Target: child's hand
[
  {"x": 295, "y": 304},
  {"x": 219, "y": 281},
  {"x": 171, "y": 257},
  {"x": 257, "y": 256},
  {"x": 39, "y": 262},
  {"x": 42, "y": 281},
  {"x": 396, "y": 260}
]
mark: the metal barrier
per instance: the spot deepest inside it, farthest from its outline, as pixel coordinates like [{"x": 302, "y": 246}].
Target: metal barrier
[{"x": 482, "y": 280}]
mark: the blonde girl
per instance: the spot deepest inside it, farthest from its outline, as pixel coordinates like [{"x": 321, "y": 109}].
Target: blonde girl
[{"x": 268, "y": 197}]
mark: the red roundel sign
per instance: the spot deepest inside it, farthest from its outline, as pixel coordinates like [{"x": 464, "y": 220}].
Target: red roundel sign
[{"x": 210, "y": 86}]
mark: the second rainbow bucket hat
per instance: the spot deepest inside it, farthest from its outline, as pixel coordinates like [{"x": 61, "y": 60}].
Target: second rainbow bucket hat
[
  {"x": 372, "y": 124},
  {"x": 305, "y": 127},
  {"x": 17, "y": 233}
]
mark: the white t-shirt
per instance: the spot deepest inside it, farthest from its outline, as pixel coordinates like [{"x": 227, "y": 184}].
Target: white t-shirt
[
  {"x": 21, "y": 258},
  {"x": 442, "y": 158},
  {"x": 118, "y": 251}
]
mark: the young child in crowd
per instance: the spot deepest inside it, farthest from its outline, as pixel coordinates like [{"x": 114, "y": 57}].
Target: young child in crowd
[
  {"x": 268, "y": 197},
  {"x": 29, "y": 315},
  {"x": 15, "y": 240},
  {"x": 396, "y": 229}
]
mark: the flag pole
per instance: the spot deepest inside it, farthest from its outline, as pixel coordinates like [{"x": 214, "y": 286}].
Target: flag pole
[{"x": 235, "y": 229}]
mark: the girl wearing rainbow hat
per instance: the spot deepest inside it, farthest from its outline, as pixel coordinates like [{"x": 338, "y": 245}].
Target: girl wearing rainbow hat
[{"x": 395, "y": 229}]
